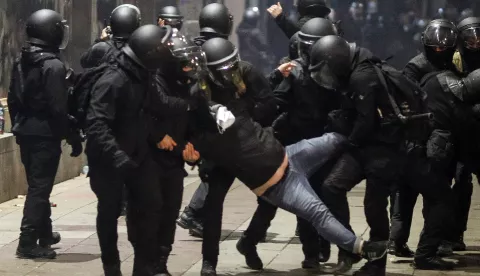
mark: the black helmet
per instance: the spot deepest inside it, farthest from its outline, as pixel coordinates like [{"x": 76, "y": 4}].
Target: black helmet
[
  {"x": 216, "y": 18},
  {"x": 311, "y": 31},
  {"x": 469, "y": 42},
  {"x": 317, "y": 8},
  {"x": 440, "y": 41},
  {"x": 293, "y": 47},
  {"x": 251, "y": 16},
  {"x": 190, "y": 60},
  {"x": 124, "y": 20},
  {"x": 47, "y": 28},
  {"x": 223, "y": 63},
  {"x": 172, "y": 16},
  {"x": 149, "y": 46},
  {"x": 331, "y": 61}
]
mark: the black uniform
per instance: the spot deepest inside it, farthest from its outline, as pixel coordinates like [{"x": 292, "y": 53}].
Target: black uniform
[
  {"x": 39, "y": 119},
  {"x": 170, "y": 164},
  {"x": 257, "y": 103},
  {"x": 99, "y": 51},
  {"x": 118, "y": 154},
  {"x": 375, "y": 155}
]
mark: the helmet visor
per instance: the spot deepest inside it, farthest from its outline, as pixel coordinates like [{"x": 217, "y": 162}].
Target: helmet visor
[
  {"x": 304, "y": 48},
  {"x": 439, "y": 36},
  {"x": 228, "y": 74},
  {"x": 325, "y": 77},
  {"x": 192, "y": 61},
  {"x": 66, "y": 35},
  {"x": 174, "y": 22},
  {"x": 471, "y": 38}
]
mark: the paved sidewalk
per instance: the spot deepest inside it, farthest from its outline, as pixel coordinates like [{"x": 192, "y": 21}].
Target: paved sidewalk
[{"x": 79, "y": 253}]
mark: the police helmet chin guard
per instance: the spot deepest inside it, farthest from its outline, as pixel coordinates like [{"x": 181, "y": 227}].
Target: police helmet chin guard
[
  {"x": 331, "y": 61},
  {"x": 124, "y": 20},
  {"x": 47, "y": 28},
  {"x": 148, "y": 46},
  {"x": 311, "y": 31},
  {"x": 216, "y": 18},
  {"x": 223, "y": 63}
]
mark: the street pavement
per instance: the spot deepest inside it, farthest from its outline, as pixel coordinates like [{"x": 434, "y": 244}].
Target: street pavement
[{"x": 79, "y": 252}]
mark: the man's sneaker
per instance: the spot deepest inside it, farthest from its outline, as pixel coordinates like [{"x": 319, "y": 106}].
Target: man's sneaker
[
  {"x": 374, "y": 250},
  {"x": 208, "y": 269},
  {"x": 35, "y": 252},
  {"x": 112, "y": 270},
  {"x": 433, "y": 263},
  {"x": 311, "y": 263},
  {"x": 402, "y": 251},
  {"x": 370, "y": 270},
  {"x": 459, "y": 244},
  {"x": 445, "y": 249},
  {"x": 250, "y": 252},
  {"x": 47, "y": 243}
]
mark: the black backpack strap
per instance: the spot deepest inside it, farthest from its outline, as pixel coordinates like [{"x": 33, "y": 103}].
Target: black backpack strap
[{"x": 391, "y": 98}]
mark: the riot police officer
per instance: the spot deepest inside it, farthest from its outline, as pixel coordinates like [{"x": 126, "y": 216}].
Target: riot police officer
[
  {"x": 215, "y": 21},
  {"x": 37, "y": 100},
  {"x": 253, "y": 45},
  {"x": 245, "y": 90},
  {"x": 118, "y": 151},
  {"x": 307, "y": 106},
  {"x": 375, "y": 149},
  {"x": 439, "y": 40},
  {"x": 307, "y": 9},
  {"x": 123, "y": 21},
  {"x": 171, "y": 16}
]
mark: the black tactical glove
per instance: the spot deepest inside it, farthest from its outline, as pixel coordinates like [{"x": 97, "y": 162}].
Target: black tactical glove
[
  {"x": 75, "y": 141},
  {"x": 122, "y": 163}
]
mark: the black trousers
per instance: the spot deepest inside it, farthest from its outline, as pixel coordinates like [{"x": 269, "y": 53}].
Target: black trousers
[
  {"x": 143, "y": 213},
  {"x": 381, "y": 166},
  {"x": 433, "y": 183},
  {"x": 171, "y": 202},
  {"x": 462, "y": 191},
  {"x": 220, "y": 182},
  {"x": 40, "y": 157}
]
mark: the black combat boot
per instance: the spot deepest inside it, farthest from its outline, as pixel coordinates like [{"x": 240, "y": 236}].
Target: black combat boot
[
  {"x": 402, "y": 251},
  {"x": 48, "y": 242},
  {"x": 161, "y": 267},
  {"x": 29, "y": 249},
  {"x": 249, "y": 250},
  {"x": 208, "y": 268}
]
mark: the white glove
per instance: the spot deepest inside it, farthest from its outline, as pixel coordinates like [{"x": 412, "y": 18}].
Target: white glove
[{"x": 223, "y": 117}]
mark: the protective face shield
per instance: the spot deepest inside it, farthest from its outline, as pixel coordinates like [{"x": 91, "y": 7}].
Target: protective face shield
[
  {"x": 440, "y": 37},
  {"x": 192, "y": 62},
  {"x": 471, "y": 38},
  {"x": 325, "y": 77},
  {"x": 228, "y": 74},
  {"x": 176, "y": 23},
  {"x": 66, "y": 35},
  {"x": 304, "y": 48}
]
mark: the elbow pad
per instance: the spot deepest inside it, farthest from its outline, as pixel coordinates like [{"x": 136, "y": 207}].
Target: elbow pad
[{"x": 465, "y": 89}]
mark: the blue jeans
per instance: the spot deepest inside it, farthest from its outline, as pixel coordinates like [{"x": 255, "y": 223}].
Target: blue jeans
[{"x": 294, "y": 193}]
